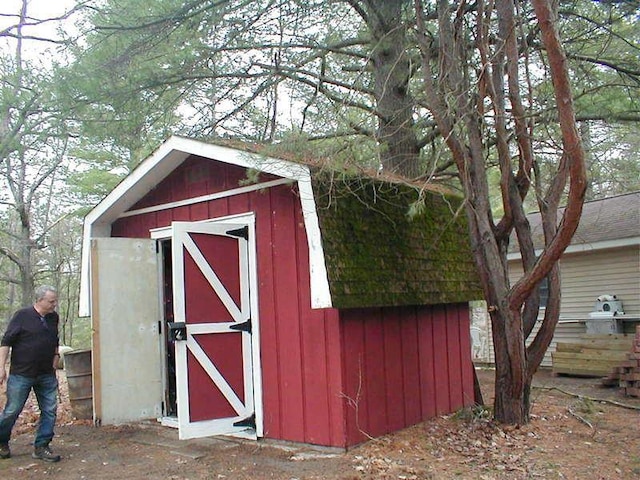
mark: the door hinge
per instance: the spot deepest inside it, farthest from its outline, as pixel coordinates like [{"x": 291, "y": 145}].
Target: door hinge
[
  {"x": 159, "y": 327},
  {"x": 242, "y": 327},
  {"x": 242, "y": 232},
  {"x": 247, "y": 422}
]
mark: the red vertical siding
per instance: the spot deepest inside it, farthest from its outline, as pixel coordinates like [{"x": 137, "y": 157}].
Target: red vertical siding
[
  {"x": 134, "y": 227},
  {"x": 287, "y": 322},
  {"x": 372, "y": 370},
  {"x": 316, "y": 335},
  {"x": 464, "y": 326},
  {"x": 440, "y": 360},
  {"x": 299, "y": 346},
  {"x": 335, "y": 387},
  {"x": 353, "y": 348},
  {"x": 180, "y": 214},
  {"x": 164, "y": 217},
  {"x": 427, "y": 367},
  {"x": 196, "y": 176},
  {"x": 454, "y": 358},
  {"x": 411, "y": 347},
  {"x": 198, "y": 211},
  {"x": 398, "y": 381},
  {"x": 394, "y": 369}
]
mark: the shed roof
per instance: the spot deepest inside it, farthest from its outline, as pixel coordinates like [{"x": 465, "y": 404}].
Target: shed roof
[
  {"x": 377, "y": 254},
  {"x": 365, "y": 249}
]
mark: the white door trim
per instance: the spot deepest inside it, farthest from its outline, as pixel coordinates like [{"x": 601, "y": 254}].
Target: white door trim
[{"x": 166, "y": 233}]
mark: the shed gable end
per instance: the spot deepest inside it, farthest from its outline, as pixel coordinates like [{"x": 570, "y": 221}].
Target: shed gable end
[{"x": 198, "y": 176}]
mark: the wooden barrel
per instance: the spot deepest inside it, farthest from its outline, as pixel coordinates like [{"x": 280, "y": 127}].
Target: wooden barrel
[{"x": 77, "y": 366}]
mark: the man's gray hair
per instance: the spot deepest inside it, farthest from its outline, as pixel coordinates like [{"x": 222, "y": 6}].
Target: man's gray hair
[{"x": 42, "y": 291}]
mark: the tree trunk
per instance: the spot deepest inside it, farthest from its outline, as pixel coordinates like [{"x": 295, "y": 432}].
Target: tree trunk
[
  {"x": 399, "y": 150},
  {"x": 27, "y": 284},
  {"x": 512, "y": 387},
  {"x": 459, "y": 102}
]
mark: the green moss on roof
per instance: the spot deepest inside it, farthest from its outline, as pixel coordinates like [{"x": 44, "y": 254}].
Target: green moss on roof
[{"x": 378, "y": 255}]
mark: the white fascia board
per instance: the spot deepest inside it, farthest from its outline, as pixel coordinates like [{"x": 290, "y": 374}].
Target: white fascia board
[
  {"x": 168, "y": 157},
  {"x": 240, "y": 158},
  {"x": 320, "y": 294},
  {"x": 137, "y": 184},
  {"x": 588, "y": 247}
]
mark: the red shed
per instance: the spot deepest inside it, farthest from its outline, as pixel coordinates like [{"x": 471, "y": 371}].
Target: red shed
[{"x": 235, "y": 293}]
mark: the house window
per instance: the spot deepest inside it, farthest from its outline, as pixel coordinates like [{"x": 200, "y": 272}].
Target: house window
[{"x": 543, "y": 290}]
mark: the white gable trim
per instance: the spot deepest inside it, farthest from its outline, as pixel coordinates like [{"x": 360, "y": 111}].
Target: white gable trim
[{"x": 166, "y": 159}]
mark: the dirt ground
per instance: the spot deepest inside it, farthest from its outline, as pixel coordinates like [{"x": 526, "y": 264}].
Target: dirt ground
[{"x": 577, "y": 432}]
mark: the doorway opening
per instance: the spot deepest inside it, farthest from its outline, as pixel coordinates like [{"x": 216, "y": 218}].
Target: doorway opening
[{"x": 170, "y": 393}]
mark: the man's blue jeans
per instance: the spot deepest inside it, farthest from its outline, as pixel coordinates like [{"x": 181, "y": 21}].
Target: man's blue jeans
[{"x": 18, "y": 387}]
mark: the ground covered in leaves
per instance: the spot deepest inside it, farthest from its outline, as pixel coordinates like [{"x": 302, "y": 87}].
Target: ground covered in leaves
[{"x": 579, "y": 430}]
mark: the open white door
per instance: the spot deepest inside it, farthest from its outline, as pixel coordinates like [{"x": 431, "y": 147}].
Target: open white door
[
  {"x": 125, "y": 315},
  {"x": 215, "y": 328}
]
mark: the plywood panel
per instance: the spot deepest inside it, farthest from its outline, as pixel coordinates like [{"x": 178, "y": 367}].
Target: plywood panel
[{"x": 126, "y": 340}]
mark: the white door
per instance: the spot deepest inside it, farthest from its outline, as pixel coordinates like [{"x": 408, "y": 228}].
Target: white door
[
  {"x": 215, "y": 328},
  {"x": 125, "y": 321}
]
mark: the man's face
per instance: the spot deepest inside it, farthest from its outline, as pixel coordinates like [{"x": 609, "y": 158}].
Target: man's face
[{"x": 48, "y": 303}]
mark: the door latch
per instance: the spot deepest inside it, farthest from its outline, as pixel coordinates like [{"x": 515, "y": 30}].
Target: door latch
[{"x": 177, "y": 331}]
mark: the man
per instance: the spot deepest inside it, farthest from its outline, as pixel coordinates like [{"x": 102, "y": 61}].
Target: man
[{"x": 32, "y": 337}]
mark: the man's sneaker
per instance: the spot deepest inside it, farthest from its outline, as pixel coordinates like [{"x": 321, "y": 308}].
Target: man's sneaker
[
  {"x": 45, "y": 453},
  {"x": 4, "y": 450}
]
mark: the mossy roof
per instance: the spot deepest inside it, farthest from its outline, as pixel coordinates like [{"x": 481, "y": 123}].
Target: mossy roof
[{"x": 378, "y": 254}]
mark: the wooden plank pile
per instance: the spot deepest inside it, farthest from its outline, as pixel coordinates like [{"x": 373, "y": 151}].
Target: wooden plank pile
[
  {"x": 626, "y": 375},
  {"x": 594, "y": 355}
]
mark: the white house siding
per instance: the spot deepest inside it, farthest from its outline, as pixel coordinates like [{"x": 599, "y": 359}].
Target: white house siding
[{"x": 585, "y": 275}]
